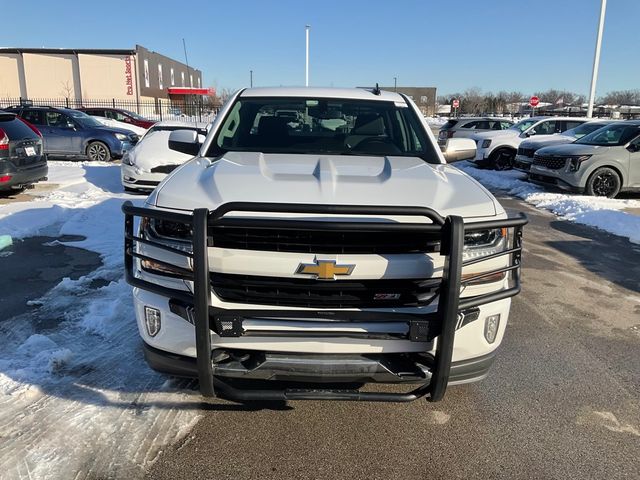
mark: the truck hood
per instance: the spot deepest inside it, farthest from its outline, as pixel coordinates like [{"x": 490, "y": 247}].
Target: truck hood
[
  {"x": 324, "y": 179},
  {"x": 572, "y": 149}
]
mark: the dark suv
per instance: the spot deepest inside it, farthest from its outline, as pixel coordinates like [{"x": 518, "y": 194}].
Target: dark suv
[
  {"x": 22, "y": 160},
  {"x": 71, "y": 133},
  {"x": 120, "y": 115}
]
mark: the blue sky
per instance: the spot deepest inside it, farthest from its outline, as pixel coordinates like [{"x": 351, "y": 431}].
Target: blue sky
[{"x": 451, "y": 44}]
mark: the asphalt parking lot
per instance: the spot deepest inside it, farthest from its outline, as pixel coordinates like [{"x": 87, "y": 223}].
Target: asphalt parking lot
[{"x": 561, "y": 401}]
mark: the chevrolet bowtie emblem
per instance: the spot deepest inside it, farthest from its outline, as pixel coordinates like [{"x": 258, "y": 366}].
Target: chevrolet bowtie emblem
[{"x": 324, "y": 269}]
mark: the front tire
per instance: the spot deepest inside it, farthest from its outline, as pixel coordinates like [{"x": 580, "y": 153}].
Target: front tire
[
  {"x": 502, "y": 159},
  {"x": 98, "y": 152},
  {"x": 604, "y": 182}
]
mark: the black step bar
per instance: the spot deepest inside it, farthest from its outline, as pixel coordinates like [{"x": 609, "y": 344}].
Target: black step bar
[{"x": 423, "y": 327}]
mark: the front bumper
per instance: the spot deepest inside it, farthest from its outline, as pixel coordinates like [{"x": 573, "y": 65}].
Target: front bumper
[
  {"x": 522, "y": 163},
  {"x": 568, "y": 182},
  {"x": 137, "y": 179},
  {"x": 336, "y": 368},
  {"x": 25, "y": 176},
  {"x": 430, "y": 332}
]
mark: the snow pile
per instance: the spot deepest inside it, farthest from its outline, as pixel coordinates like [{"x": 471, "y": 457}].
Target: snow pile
[
  {"x": 126, "y": 126},
  {"x": 436, "y": 122},
  {"x": 77, "y": 399},
  {"x": 604, "y": 213}
]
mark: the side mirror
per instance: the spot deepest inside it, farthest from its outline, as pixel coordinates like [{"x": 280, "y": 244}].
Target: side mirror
[
  {"x": 531, "y": 132},
  {"x": 184, "y": 141},
  {"x": 69, "y": 126},
  {"x": 457, "y": 149}
]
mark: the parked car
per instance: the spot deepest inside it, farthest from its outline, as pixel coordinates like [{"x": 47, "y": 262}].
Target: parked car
[
  {"x": 299, "y": 256},
  {"x": 71, "y": 134},
  {"x": 497, "y": 149},
  {"x": 526, "y": 150},
  {"x": 119, "y": 115},
  {"x": 467, "y": 127},
  {"x": 22, "y": 158},
  {"x": 602, "y": 163},
  {"x": 148, "y": 163}
]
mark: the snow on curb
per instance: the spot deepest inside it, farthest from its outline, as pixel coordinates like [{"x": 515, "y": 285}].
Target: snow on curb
[{"x": 604, "y": 213}]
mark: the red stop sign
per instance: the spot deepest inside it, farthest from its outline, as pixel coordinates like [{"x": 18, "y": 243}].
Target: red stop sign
[
  {"x": 455, "y": 103},
  {"x": 534, "y": 101}
]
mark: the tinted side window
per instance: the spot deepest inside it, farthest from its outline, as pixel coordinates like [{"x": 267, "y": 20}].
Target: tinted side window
[
  {"x": 119, "y": 116},
  {"x": 483, "y": 125},
  {"x": 56, "y": 119},
  {"x": 34, "y": 116},
  {"x": 546, "y": 128},
  {"x": 505, "y": 125},
  {"x": 568, "y": 125},
  {"x": 469, "y": 125}
]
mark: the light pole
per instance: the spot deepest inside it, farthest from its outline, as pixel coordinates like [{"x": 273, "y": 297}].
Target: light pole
[
  {"x": 395, "y": 84},
  {"x": 306, "y": 66},
  {"x": 251, "y": 78},
  {"x": 596, "y": 59}
]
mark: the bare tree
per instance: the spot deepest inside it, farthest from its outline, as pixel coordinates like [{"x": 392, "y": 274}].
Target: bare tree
[{"x": 66, "y": 90}]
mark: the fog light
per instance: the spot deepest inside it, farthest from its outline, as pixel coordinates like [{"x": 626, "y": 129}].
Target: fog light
[
  {"x": 152, "y": 321},
  {"x": 491, "y": 325}
]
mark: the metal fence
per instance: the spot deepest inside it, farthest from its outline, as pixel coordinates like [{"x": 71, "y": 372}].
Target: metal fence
[{"x": 194, "y": 110}]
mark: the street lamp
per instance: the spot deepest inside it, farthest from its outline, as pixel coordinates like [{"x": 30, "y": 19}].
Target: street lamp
[
  {"x": 596, "y": 59},
  {"x": 306, "y": 67},
  {"x": 251, "y": 78},
  {"x": 395, "y": 84}
]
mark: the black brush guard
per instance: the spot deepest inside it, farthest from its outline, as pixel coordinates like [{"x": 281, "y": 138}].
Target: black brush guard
[{"x": 422, "y": 326}]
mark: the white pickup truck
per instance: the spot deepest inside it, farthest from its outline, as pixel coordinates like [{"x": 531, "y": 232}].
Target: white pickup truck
[{"x": 302, "y": 260}]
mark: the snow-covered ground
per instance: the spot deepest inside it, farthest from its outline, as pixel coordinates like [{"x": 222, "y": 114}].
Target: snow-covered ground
[
  {"x": 77, "y": 399},
  {"x": 617, "y": 216}
]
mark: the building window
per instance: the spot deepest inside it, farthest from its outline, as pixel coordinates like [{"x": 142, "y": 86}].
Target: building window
[
  {"x": 199, "y": 82},
  {"x": 160, "y": 76},
  {"x": 146, "y": 73},
  {"x": 190, "y": 80},
  {"x": 424, "y": 99},
  {"x": 173, "y": 81},
  {"x": 182, "y": 75}
]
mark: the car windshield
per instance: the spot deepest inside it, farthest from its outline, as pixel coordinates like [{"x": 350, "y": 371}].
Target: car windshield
[
  {"x": 582, "y": 130},
  {"x": 322, "y": 126},
  {"x": 84, "y": 119},
  {"x": 134, "y": 115},
  {"x": 523, "y": 125},
  {"x": 611, "y": 136}
]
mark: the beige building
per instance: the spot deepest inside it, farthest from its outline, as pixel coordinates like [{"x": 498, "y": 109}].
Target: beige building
[{"x": 77, "y": 74}]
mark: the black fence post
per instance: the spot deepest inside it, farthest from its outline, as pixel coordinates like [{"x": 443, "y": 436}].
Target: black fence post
[{"x": 67, "y": 101}]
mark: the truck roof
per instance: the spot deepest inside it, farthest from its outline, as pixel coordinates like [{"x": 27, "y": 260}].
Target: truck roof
[{"x": 350, "y": 93}]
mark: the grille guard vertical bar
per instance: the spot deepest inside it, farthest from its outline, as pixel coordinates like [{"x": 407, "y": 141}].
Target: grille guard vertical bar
[
  {"x": 202, "y": 300},
  {"x": 452, "y": 244}
]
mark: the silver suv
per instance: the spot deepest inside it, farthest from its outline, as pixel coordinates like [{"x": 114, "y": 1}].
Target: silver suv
[
  {"x": 466, "y": 127},
  {"x": 602, "y": 163}
]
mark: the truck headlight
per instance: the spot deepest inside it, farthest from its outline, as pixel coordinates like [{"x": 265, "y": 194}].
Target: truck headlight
[
  {"x": 480, "y": 244},
  {"x": 575, "y": 162},
  {"x": 486, "y": 143},
  {"x": 122, "y": 137}
]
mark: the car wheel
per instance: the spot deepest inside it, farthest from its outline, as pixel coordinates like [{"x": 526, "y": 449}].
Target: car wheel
[
  {"x": 502, "y": 159},
  {"x": 604, "y": 182},
  {"x": 98, "y": 152}
]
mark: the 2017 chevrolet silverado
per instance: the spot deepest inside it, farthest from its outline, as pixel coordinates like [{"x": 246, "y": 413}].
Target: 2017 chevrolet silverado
[{"x": 302, "y": 260}]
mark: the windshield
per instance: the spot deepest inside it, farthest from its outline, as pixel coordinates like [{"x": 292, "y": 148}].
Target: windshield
[
  {"x": 611, "y": 136},
  {"x": 523, "y": 125},
  {"x": 134, "y": 115},
  {"x": 84, "y": 119},
  {"x": 322, "y": 126},
  {"x": 584, "y": 129}
]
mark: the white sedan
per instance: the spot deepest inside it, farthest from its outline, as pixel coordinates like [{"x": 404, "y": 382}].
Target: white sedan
[{"x": 146, "y": 165}]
